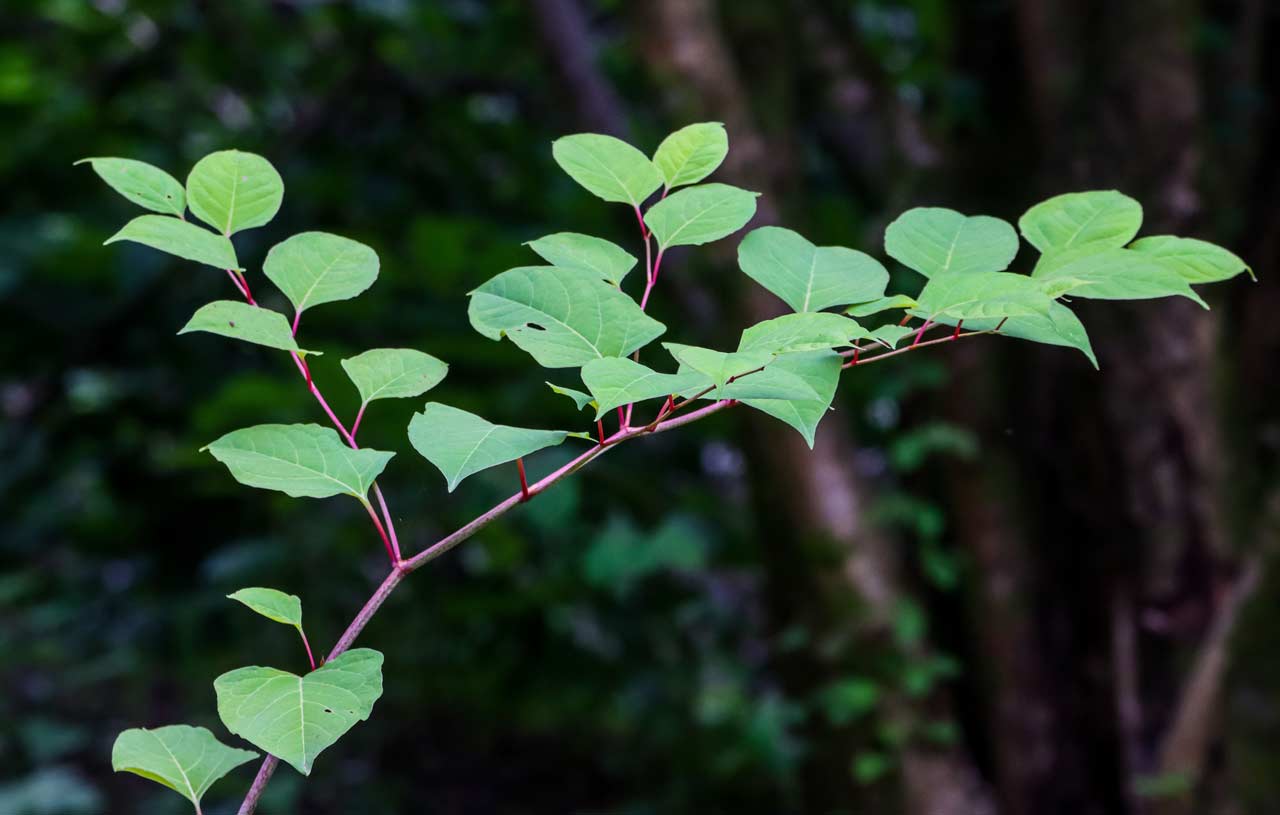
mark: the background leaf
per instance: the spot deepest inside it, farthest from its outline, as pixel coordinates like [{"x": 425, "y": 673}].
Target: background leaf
[
  {"x": 232, "y": 190},
  {"x": 698, "y": 215},
  {"x": 177, "y": 237},
  {"x": 394, "y": 373},
  {"x": 608, "y": 167},
  {"x": 272, "y": 604},
  {"x": 562, "y": 317},
  {"x": 808, "y": 277},
  {"x": 294, "y": 717},
  {"x": 572, "y": 250},
  {"x": 315, "y": 267},
  {"x": 187, "y": 760},
  {"x": 1100, "y": 218},
  {"x": 300, "y": 460},
  {"x": 241, "y": 321},
  {"x": 934, "y": 241},
  {"x": 144, "y": 184},
  {"x": 460, "y": 444},
  {"x": 691, "y": 153}
]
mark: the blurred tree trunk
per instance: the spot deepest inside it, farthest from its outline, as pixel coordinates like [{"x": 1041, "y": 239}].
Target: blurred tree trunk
[{"x": 823, "y": 498}]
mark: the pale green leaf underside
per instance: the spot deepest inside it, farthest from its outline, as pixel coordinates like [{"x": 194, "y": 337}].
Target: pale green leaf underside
[
  {"x": 460, "y": 444},
  {"x": 1194, "y": 260},
  {"x": 177, "y": 237},
  {"x": 718, "y": 366},
  {"x": 881, "y": 304},
  {"x": 1059, "y": 326},
  {"x": 619, "y": 381},
  {"x": 607, "y": 167},
  {"x": 701, "y": 214},
  {"x": 187, "y": 760},
  {"x": 818, "y": 370},
  {"x": 241, "y": 321},
  {"x": 691, "y": 153},
  {"x": 300, "y": 460},
  {"x": 1100, "y": 218},
  {"x": 935, "y": 241},
  {"x": 1110, "y": 274},
  {"x": 802, "y": 332},
  {"x": 232, "y": 190},
  {"x": 272, "y": 604},
  {"x": 808, "y": 277},
  {"x": 573, "y": 250},
  {"x": 394, "y": 373},
  {"x": 563, "y": 317},
  {"x": 316, "y": 267},
  {"x": 144, "y": 184},
  {"x": 579, "y": 398},
  {"x": 978, "y": 295},
  {"x": 296, "y": 717}
]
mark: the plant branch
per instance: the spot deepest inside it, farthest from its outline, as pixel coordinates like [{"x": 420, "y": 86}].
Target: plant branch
[{"x": 667, "y": 420}]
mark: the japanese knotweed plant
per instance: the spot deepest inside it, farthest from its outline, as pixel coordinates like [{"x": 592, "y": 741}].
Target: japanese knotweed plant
[{"x": 575, "y": 310}]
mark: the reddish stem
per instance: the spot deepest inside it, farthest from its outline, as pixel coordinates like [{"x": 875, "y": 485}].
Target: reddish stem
[
  {"x": 248, "y": 294},
  {"x": 307, "y": 645},
  {"x": 359, "y": 415},
  {"x": 600, "y": 430},
  {"x": 956, "y": 334},
  {"x": 297, "y": 315},
  {"x": 524, "y": 482},
  {"x": 235, "y": 281},
  {"x": 382, "y": 532},
  {"x": 906, "y": 318},
  {"x": 623, "y": 419},
  {"x": 920, "y": 334}
]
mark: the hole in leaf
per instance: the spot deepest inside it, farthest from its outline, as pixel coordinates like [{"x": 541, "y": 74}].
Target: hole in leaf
[
  {"x": 535, "y": 327},
  {"x": 327, "y": 710}
]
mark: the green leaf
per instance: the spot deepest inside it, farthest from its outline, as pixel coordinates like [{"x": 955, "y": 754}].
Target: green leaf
[
  {"x": 890, "y": 335},
  {"x": 881, "y": 304},
  {"x": 617, "y": 381},
  {"x": 316, "y": 267},
  {"x": 144, "y": 184},
  {"x": 1101, "y": 219},
  {"x": 808, "y": 277},
  {"x": 296, "y": 717},
  {"x": 231, "y": 190},
  {"x": 818, "y": 370},
  {"x": 177, "y": 237},
  {"x": 300, "y": 460},
  {"x": 460, "y": 444},
  {"x": 241, "y": 321},
  {"x": 564, "y": 318},
  {"x": 573, "y": 250},
  {"x": 394, "y": 373},
  {"x": 579, "y": 398},
  {"x": 718, "y": 366},
  {"x": 187, "y": 760},
  {"x": 698, "y": 215},
  {"x": 609, "y": 168},
  {"x": 981, "y": 294},
  {"x": 1110, "y": 274},
  {"x": 935, "y": 241},
  {"x": 1195, "y": 260},
  {"x": 802, "y": 332},
  {"x": 272, "y": 604},
  {"x": 691, "y": 153},
  {"x": 1059, "y": 326}
]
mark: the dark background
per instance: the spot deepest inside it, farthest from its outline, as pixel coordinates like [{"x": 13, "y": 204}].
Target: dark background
[{"x": 1002, "y": 583}]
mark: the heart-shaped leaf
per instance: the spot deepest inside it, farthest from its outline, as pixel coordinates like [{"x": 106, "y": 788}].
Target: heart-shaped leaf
[
  {"x": 316, "y": 267},
  {"x": 1100, "y": 218},
  {"x": 808, "y": 277},
  {"x": 177, "y": 237},
  {"x": 691, "y": 153},
  {"x": 563, "y": 317},
  {"x": 296, "y": 717},
  {"x": 241, "y": 321},
  {"x": 144, "y": 184},
  {"x": 187, "y": 760},
  {"x": 979, "y": 295},
  {"x": 818, "y": 370},
  {"x": 394, "y": 373},
  {"x": 619, "y": 381},
  {"x": 572, "y": 250},
  {"x": 935, "y": 241},
  {"x": 1110, "y": 274},
  {"x": 609, "y": 168},
  {"x": 802, "y": 332},
  {"x": 1196, "y": 261},
  {"x": 701, "y": 214},
  {"x": 232, "y": 190},
  {"x": 300, "y": 460},
  {"x": 460, "y": 444}
]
